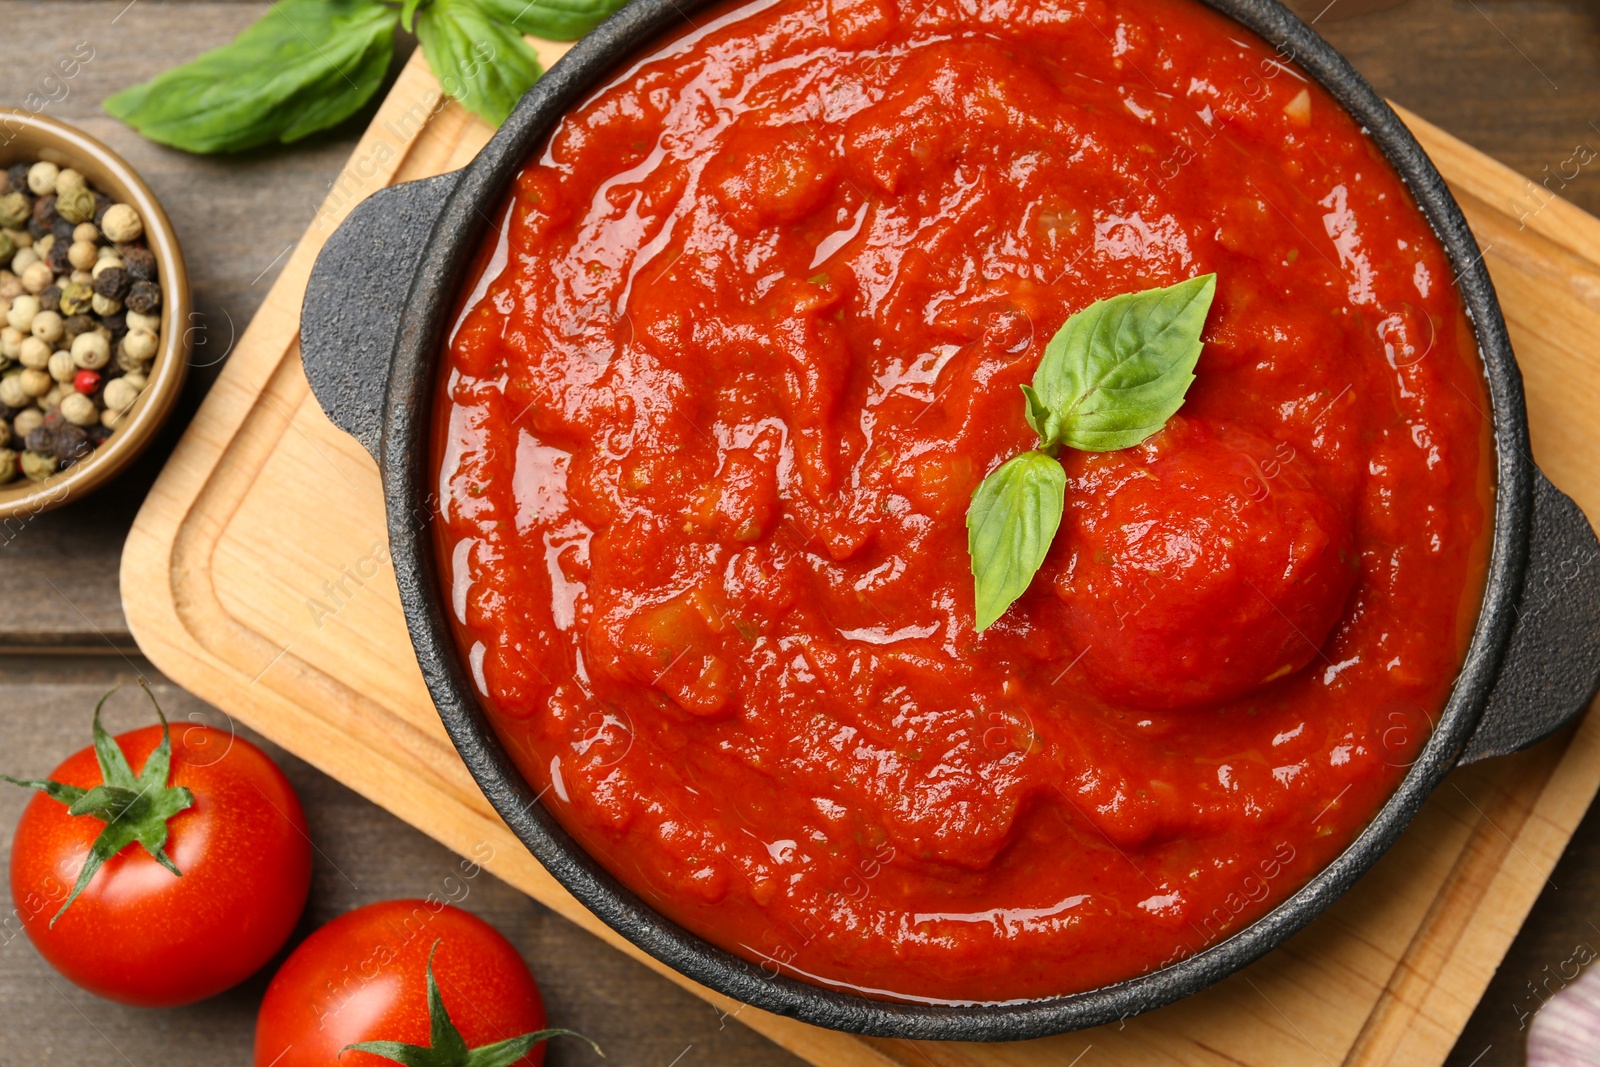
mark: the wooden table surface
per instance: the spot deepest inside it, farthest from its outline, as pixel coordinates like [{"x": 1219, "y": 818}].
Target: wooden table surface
[{"x": 1520, "y": 80}]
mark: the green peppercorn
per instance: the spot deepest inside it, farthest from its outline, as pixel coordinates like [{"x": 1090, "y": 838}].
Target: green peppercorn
[
  {"x": 9, "y": 466},
  {"x": 77, "y": 298},
  {"x": 75, "y": 205},
  {"x": 38, "y": 467},
  {"x": 15, "y": 209},
  {"x": 8, "y": 247}
]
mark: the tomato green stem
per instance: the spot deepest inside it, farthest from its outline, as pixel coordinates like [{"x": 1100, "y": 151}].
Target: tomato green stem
[
  {"x": 135, "y": 808},
  {"x": 447, "y": 1048}
]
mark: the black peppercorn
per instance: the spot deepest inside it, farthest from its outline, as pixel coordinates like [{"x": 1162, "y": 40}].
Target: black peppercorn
[
  {"x": 71, "y": 443},
  {"x": 42, "y": 439},
  {"x": 113, "y": 283},
  {"x": 117, "y": 324},
  {"x": 38, "y": 229},
  {"x": 59, "y": 263},
  {"x": 17, "y": 176},
  {"x": 98, "y": 434},
  {"x": 50, "y": 299},
  {"x": 143, "y": 298},
  {"x": 77, "y": 324},
  {"x": 44, "y": 209},
  {"x": 102, "y": 204},
  {"x": 140, "y": 263},
  {"x": 63, "y": 231}
]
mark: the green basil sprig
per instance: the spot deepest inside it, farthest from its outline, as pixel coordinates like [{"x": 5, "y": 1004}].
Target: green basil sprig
[
  {"x": 307, "y": 65},
  {"x": 1111, "y": 376}
]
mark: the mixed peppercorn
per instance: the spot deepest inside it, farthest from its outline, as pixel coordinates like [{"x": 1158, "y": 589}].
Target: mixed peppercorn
[{"x": 80, "y": 317}]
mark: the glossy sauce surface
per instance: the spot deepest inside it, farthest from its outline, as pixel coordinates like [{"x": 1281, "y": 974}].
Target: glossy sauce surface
[{"x": 751, "y": 334}]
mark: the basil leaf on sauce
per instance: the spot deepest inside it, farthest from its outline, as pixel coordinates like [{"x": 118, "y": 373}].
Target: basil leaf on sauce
[
  {"x": 1118, "y": 370},
  {"x": 304, "y": 66},
  {"x": 1111, "y": 376},
  {"x": 481, "y": 62},
  {"x": 1013, "y": 518},
  {"x": 554, "y": 20}
]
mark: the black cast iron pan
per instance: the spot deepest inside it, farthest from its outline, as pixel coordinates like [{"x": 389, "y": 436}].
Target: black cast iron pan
[{"x": 386, "y": 285}]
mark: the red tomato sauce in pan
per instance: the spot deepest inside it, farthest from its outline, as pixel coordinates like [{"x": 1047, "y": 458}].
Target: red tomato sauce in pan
[{"x": 750, "y": 334}]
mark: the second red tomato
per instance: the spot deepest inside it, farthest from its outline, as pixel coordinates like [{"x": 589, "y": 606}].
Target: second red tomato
[{"x": 363, "y": 977}]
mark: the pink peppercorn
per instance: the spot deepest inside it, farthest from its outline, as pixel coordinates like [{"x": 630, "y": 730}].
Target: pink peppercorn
[{"x": 86, "y": 381}]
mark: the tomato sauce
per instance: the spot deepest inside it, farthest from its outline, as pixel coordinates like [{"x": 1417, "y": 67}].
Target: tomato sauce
[{"x": 750, "y": 334}]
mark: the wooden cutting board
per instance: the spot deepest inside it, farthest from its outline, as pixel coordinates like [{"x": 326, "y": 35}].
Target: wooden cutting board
[{"x": 256, "y": 576}]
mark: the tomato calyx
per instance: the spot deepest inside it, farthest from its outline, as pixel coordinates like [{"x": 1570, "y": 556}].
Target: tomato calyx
[
  {"x": 133, "y": 807},
  {"x": 447, "y": 1048}
]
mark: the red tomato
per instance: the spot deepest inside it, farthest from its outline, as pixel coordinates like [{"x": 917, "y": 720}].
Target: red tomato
[
  {"x": 364, "y": 977},
  {"x": 139, "y": 934}
]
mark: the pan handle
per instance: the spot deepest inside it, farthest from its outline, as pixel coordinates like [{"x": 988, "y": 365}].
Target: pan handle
[
  {"x": 1551, "y": 668},
  {"x": 350, "y": 322}
]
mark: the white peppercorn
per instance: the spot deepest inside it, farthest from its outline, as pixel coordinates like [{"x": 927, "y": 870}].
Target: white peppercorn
[
  {"x": 27, "y": 421},
  {"x": 81, "y": 276},
  {"x": 24, "y": 259},
  {"x": 119, "y": 394},
  {"x": 104, "y": 305},
  {"x": 79, "y": 410},
  {"x": 10, "y": 285},
  {"x": 11, "y": 394},
  {"x": 61, "y": 366},
  {"x": 126, "y": 362},
  {"x": 48, "y": 326},
  {"x": 70, "y": 179},
  {"x": 137, "y": 321},
  {"x": 91, "y": 351},
  {"x": 11, "y": 343},
  {"x": 42, "y": 178},
  {"x": 121, "y": 224},
  {"x": 105, "y": 263},
  {"x": 36, "y": 383},
  {"x": 34, "y": 353},
  {"x": 109, "y": 418},
  {"x": 136, "y": 378},
  {"x": 83, "y": 254},
  {"x": 23, "y": 309},
  {"x": 53, "y": 397},
  {"x": 141, "y": 344},
  {"x": 87, "y": 232},
  {"x": 37, "y": 278}
]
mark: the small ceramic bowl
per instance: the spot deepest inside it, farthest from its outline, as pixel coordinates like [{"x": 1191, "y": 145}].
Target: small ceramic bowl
[{"x": 25, "y": 136}]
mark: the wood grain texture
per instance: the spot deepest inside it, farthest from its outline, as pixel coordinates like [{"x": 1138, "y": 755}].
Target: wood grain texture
[{"x": 255, "y": 576}]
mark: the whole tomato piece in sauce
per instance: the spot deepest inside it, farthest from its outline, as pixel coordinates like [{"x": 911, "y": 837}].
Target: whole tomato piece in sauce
[
  {"x": 1201, "y": 565},
  {"x": 403, "y": 981},
  {"x": 185, "y": 872}
]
